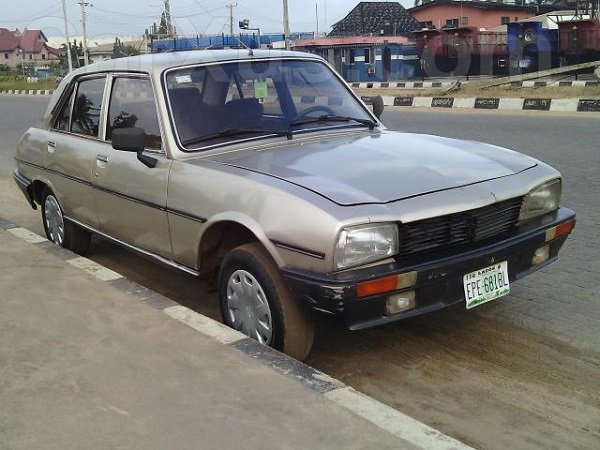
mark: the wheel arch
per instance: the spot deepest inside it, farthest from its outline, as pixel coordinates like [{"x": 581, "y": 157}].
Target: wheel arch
[
  {"x": 226, "y": 232},
  {"x": 37, "y": 189}
]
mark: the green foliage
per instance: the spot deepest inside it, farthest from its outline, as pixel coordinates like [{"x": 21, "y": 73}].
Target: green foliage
[
  {"x": 76, "y": 55},
  {"x": 120, "y": 50}
]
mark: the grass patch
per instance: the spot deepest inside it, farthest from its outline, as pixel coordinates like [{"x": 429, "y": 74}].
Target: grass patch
[{"x": 10, "y": 82}]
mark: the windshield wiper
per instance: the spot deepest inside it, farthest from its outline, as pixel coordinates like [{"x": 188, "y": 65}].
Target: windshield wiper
[
  {"x": 236, "y": 132},
  {"x": 333, "y": 118}
]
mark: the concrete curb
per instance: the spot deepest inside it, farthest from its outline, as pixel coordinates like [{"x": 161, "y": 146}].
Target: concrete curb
[
  {"x": 519, "y": 104},
  {"x": 381, "y": 415},
  {"x": 46, "y": 92},
  {"x": 402, "y": 85},
  {"x": 446, "y": 84}
]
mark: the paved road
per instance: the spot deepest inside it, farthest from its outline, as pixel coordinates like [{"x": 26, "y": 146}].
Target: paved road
[{"x": 517, "y": 373}]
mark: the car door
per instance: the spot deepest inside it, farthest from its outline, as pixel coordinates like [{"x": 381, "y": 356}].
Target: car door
[
  {"x": 73, "y": 143},
  {"x": 131, "y": 198}
]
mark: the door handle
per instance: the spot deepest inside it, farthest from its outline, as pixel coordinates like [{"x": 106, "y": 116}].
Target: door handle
[
  {"x": 101, "y": 162},
  {"x": 51, "y": 146}
]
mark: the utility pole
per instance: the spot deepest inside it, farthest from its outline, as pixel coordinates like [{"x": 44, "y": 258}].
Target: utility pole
[
  {"x": 230, "y": 6},
  {"x": 67, "y": 36},
  {"x": 85, "y": 48},
  {"x": 286, "y": 25},
  {"x": 317, "y": 16}
]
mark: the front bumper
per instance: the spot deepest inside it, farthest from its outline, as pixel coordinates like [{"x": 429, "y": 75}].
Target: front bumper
[{"x": 439, "y": 281}]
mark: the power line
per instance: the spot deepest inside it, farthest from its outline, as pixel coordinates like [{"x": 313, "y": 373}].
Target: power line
[{"x": 38, "y": 15}]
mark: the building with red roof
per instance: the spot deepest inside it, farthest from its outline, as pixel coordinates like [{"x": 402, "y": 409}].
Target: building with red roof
[{"x": 29, "y": 46}]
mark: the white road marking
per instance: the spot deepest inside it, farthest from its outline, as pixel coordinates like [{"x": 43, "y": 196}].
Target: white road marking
[
  {"x": 205, "y": 325},
  {"x": 95, "y": 269},
  {"x": 27, "y": 235},
  {"x": 394, "y": 421}
]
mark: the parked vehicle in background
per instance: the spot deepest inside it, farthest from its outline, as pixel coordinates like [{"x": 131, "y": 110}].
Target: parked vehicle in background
[{"x": 264, "y": 170}]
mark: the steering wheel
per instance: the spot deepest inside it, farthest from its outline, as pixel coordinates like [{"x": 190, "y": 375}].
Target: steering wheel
[{"x": 312, "y": 109}]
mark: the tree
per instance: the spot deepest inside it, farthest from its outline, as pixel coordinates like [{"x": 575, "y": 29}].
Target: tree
[
  {"x": 118, "y": 50},
  {"x": 131, "y": 50},
  {"x": 121, "y": 50},
  {"x": 76, "y": 55}
]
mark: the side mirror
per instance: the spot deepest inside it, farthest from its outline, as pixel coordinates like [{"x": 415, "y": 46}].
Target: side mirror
[
  {"x": 129, "y": 139},
  {"x": 133, "y": 140},
  {"x": 378, "y": 106}
]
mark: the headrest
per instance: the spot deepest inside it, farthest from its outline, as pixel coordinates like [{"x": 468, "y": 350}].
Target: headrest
[
  {"x": 242, "y": 109},
  {"x": 183, "y": 98}
]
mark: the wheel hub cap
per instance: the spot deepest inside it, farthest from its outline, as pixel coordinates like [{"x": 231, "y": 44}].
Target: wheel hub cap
[
  {"x": 247, "y": 307},
  {"x": 54, "y": 220}
]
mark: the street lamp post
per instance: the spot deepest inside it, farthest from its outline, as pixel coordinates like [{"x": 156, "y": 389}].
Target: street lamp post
[
  {"x": 22, "y": 57},
  {"x": 245, "y": 25}
]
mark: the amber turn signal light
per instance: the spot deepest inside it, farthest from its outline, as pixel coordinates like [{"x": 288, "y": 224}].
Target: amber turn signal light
[
  {"x": 386, "y": 284},
  {"x": 559, "y": 230}
]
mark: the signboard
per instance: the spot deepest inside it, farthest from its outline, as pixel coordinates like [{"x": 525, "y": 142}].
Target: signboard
[
  {"x": 589, "y": 105},
  {"x": 403, "y": 101},
  {"x": 537, "y": 104},
  {"x": 442, "y": 102},
  {"x": 487, "y": 103}
]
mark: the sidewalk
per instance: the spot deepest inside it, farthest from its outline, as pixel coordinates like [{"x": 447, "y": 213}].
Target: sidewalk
[{"x": 86, "y": 365}]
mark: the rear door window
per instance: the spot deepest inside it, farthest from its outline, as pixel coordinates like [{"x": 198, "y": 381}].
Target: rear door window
[
  {"x": 63, "y": 120},
  {"x": 87, "y": 107}
]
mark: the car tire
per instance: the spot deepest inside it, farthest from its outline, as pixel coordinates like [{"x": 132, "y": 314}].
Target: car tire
[
  {"x": 255, "y": 300},
  {"x": 63, "y": 233}
]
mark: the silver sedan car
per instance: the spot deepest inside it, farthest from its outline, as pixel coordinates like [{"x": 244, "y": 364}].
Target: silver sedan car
[{"x": 265, "y": 171}]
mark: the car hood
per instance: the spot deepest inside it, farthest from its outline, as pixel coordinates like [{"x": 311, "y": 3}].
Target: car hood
[{"x": 360, "y": 168}]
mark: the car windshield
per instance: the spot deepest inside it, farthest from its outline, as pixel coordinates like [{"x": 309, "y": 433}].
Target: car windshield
[{"x": 248, "y": 100}]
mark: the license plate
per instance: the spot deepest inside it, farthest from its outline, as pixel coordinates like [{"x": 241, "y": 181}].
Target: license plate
[{"x": 487, "y": 284}]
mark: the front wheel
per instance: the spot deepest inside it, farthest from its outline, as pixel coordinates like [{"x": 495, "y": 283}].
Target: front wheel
[
  {"x": 255, "y": 300},
  {"x": 61, "y": 232}
]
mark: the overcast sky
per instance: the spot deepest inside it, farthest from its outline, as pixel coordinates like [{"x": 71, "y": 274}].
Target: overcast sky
[{"x": 131, "y": 17}]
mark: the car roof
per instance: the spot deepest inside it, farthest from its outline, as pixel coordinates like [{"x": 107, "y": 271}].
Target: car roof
[{"x": 157, "y": 62}]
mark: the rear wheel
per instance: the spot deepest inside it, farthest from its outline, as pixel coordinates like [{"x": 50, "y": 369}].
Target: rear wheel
[
  {"x": 62, "y": 232},
  {"x": 255, "y": 300}
]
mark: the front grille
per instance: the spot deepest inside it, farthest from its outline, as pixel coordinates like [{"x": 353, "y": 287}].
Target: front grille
[{"x": 459, "y": 228}]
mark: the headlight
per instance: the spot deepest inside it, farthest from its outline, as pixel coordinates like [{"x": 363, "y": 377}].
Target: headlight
[
  {"x": 541, "y": 200},
  {"x": 363, "y": 244}
]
